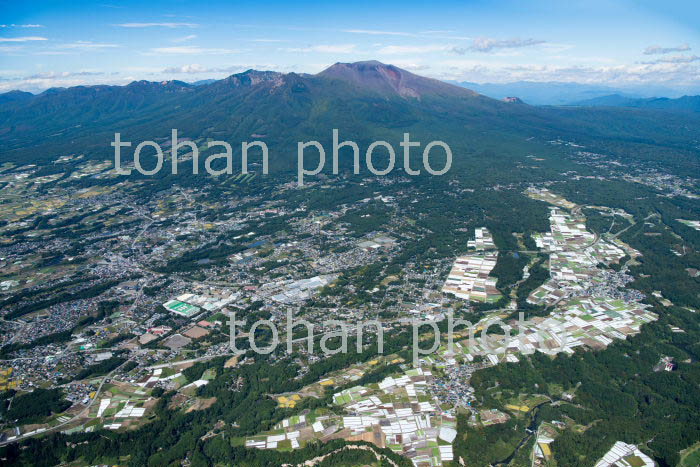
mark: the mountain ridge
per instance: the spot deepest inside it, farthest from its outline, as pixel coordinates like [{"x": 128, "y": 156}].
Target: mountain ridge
[
  {"x": 372, "y": 75},
  {"x": 366, "y": 101},
  {"x": 684, "y": 103}
]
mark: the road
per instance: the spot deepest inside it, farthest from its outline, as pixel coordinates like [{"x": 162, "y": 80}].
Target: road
[
  {"x": 79, "y": 415},
  {"x": 192, "y": 360},
  {"x": 653, "y": 214}
]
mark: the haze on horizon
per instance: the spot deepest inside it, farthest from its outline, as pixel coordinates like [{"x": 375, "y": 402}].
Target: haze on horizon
[{"x": 600, "y": 43}]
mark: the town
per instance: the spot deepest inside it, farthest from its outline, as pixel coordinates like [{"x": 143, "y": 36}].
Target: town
[{"x": 112, "y": 300}]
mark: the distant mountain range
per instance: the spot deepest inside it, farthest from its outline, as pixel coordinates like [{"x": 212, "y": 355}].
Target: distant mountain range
[
  {"x": 14, "y": 96},
  {"x": 689, "y": 103},
  {"x": 366, "y": 100},
  {"x": 559, "y": 93},
  {"x": 530, "y": 92},
  {"x": 202, "y": 81}
]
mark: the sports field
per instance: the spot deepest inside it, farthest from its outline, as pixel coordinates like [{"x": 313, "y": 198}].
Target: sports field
[{"x": 181, "y": 308}]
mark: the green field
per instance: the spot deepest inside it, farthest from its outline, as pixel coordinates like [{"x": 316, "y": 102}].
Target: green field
[
  {"x": 692, "y": 457},
  {"x": 181, "y": 308}
]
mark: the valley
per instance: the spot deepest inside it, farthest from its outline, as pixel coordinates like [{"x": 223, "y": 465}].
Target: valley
[{"x": 565, "y": 238}]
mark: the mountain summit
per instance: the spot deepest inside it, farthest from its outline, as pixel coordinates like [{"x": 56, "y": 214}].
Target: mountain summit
[
  {"x": 390, "y": 80},
  {"x": 363, "y": 98}
]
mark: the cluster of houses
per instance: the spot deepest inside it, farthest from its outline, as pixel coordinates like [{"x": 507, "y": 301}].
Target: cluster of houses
[{"x": 574, "y": 258}]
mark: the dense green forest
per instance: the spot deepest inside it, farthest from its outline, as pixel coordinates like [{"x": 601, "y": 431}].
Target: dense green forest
[
  {"x": 623, "y": 397},
  {"x": 34, "y": 406},
  {"x": 617, "y": 395}
]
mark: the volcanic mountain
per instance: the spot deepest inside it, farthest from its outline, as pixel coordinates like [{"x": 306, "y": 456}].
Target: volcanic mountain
[
  {"x": 366, "y": 101},
  {"x": 388, "y": 80}
]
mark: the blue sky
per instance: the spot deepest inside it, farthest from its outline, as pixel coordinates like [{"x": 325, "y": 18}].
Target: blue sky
[{"x": 620, "y": 43}]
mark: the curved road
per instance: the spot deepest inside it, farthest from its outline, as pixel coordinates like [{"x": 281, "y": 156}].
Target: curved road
[{"x": 79, "y": 415}]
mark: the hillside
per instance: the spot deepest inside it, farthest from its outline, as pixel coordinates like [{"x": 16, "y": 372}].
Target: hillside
[
  {"x": 365, "y": 100},
  {"x": 579, "y": 222},
  {"x": 391, "y": 80},
  {"x": 685, "y": 103}
]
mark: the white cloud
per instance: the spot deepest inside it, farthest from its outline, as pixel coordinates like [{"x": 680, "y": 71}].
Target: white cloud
[
  {"x": 432, "y": 34},
  {"x": 325, "y": 48},
  {"x": 86, "y": 45},
  {"x": 553, "y": 47},
  {"x": 410, "y": 65},
  {"x": 193, "y": 68},
  {"x": 373, "y": 32},
  {"x": 412, "y": 49},
  {"x": 674, "y": 59},
  {"x": 268, "y": 40},
  {"x": 487, "y": 44},
  {"x": 158, "y": 25},
  {"x": 21, "y": 26},
  {"x": 41, "y": 81},
  {"x": 54, "y": 52},
  {"x": 671, "y": 74},
  {"x": 41, "y": 84},
  {"x": 22, "y": 39},
  {"x": 190, "y": 50},
  {"x": 196, "y": 68},
  {"x": 178, "y": 40},
  {"x": 437, "y": 32},
  {"x": 658, "y": 50},
  {"x": 63, "y": 74},
  {"x": 10, "y": 48}
]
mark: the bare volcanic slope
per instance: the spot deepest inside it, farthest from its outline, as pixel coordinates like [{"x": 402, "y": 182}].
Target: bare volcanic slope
[
  {"x": 390, "y": 80},
  {"x": 367, "y": 100}
]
